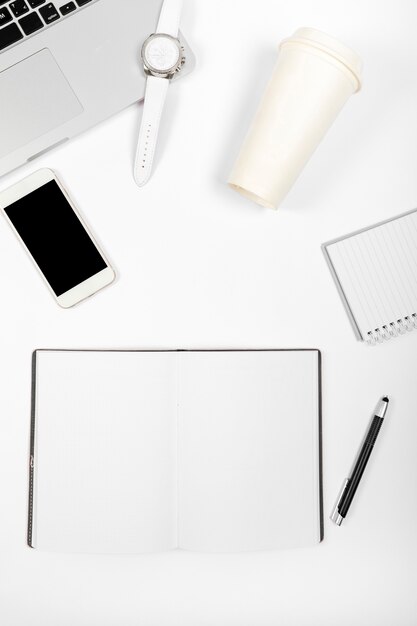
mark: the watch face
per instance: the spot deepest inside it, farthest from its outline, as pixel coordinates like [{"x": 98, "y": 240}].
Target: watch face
[{"x": 161, "y": 53}]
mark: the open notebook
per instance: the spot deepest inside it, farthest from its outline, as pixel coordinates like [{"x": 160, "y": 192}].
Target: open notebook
[
  {"x": 376, "y": 272},
  {"x": 150, "y": 451}
]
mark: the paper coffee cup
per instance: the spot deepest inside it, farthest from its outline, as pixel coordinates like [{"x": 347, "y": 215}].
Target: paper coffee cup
[{"x": 314, "y": 76}]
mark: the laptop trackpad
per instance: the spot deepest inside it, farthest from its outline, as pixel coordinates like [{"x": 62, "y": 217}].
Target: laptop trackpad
[{"x": 35, "y": 98}]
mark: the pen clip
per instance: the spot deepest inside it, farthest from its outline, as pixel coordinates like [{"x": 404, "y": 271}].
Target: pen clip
[{"x": 335, "y": 516}]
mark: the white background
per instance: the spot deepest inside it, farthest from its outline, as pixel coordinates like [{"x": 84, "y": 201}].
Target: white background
[{"x": 199, "y": 266}]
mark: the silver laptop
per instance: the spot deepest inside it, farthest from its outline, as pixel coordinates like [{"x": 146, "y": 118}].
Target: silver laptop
[{"x": 65, "y": 66}]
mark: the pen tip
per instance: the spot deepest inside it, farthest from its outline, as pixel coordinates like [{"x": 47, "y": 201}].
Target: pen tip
[{"x": 385, "y": 399}]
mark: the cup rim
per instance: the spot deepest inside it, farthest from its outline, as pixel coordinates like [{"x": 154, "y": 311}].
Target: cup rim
[{"x": 329, "y": 45}]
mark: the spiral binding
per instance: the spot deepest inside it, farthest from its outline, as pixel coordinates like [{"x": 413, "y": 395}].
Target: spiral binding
[{"x": 393, "y": 329}]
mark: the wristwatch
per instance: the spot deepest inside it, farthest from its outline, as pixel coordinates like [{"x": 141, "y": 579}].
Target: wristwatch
[{"x": 162, "y": 57}]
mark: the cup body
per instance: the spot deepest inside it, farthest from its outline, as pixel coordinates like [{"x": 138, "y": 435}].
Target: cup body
[{"x": 313, "y": 78}]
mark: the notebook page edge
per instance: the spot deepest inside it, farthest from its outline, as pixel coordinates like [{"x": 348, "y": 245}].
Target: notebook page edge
[
  {"x": 340, "y": 289},
  {"x": 319, "y": 430},
  {"x": 365, "y": 228}
]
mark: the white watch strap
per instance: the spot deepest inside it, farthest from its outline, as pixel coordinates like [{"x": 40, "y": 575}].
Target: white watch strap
[
  {"x": 155, "y": 95},
  {"x": 169, "y": 18}
]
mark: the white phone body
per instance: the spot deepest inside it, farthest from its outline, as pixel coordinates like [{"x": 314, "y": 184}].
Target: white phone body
[{"x": 91, "y": 284}]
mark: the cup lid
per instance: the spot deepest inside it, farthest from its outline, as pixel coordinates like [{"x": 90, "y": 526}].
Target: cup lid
[{"x": 316, "y": 38}]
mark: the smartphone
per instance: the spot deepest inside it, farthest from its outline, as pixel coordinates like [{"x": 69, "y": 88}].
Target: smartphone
[{"x": 45, "y": 220}]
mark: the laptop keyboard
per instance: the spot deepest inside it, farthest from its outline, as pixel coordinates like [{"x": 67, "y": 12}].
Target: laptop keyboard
[{"x": 21, "y": 18}]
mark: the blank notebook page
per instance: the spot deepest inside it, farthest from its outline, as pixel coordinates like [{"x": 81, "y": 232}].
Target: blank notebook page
[
  {"x": 105, "y": 471},
  {"x": 249, "y": 456},
  {"x": 377, "y": 273}
]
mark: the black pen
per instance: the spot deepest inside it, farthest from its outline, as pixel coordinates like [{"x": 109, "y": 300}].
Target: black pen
[{"x": 351, "y": 484}]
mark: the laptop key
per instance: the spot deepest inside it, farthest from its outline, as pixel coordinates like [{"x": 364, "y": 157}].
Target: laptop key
[
  {"x": 5, "y": 16},
  {"x": 82, "y": 2},
  {"x": 67, "y": 8},
  {"x": 19, "y": 7},
  {"x": 49, "y": 13},
  {"x": 31, "y": 23},
  {"x": 9, "y": 34},
  {"x": 35, "y": 3}
]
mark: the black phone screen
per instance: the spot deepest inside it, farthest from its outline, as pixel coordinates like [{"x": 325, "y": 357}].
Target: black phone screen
[{"x": 55, "y": 237}]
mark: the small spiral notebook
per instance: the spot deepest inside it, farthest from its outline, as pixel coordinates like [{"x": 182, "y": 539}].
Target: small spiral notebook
[{"x": 375, "y": 270}]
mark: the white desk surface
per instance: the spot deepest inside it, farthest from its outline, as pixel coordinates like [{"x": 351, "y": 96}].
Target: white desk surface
[{"x": 201, "y": 267}]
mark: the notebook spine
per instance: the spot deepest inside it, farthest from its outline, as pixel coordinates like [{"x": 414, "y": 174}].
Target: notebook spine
[
  {"x": 391, "y": 330},
  {"x": 32, "y": 456}
]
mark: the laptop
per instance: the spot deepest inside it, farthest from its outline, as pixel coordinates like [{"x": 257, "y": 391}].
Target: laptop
[{"x": 65, "y": 66}]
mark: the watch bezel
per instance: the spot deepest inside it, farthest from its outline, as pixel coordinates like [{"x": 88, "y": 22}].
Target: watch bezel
[{"x": 167, "y": 72}]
